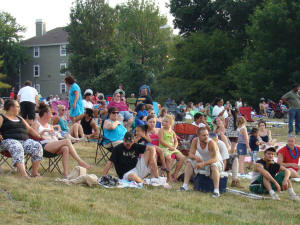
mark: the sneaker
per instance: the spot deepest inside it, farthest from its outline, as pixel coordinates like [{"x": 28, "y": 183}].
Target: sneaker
[
  {"x": 294, "y": 197},
  {"x": 274, "y": 196},
  {"x": 216, "y": 195},
  {"x": 183, "y": 189}
]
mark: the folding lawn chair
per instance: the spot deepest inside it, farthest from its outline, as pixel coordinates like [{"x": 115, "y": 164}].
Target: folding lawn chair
[
  {"x": 103, "y": 150},
  {"x": 186, "y": 132},
  {"x": 52, "y": 161},
  {"x": 4, "y": 161},
  {"x": 5, "y": 157}
]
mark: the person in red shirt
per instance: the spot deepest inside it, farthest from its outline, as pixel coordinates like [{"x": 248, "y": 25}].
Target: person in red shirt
[{"x": 289, "y": 155}]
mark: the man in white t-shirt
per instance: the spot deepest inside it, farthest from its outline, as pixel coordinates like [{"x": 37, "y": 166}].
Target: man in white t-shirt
[
  {"x": 28, "y": 98},
  {"x": 87, "y": 101},
  {"x": 219, "y": 109},
  {"x": 222, "y": 147}
]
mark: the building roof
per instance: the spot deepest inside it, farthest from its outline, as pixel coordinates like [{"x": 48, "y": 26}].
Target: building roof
[{"x": 52, "y": 37}]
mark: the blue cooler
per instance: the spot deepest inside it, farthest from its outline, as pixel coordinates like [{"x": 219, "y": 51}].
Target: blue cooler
[{"x": 204, "y": 183}]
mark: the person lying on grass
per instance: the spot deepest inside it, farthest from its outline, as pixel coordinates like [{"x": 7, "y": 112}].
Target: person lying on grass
[
  {"x": 269, "y": 177},
  {"x": 204, "y": 155},
  {"x": 288, "y": 156},
  {"x": 128, "y": 165}
]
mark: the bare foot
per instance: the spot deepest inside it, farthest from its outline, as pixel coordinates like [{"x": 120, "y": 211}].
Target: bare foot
[
  {"x": 85, "y": 165},
  {"x": 36, "y": 175}
]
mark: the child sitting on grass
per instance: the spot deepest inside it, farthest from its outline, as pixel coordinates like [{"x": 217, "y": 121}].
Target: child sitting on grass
[{"x": 168, "y": 142}]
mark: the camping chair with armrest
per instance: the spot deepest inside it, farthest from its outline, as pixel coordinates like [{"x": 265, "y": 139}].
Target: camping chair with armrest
[{"x": 103, "y": 150}]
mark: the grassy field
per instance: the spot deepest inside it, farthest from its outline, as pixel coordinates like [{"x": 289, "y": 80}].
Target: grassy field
[{"x": 43, "y": 201}]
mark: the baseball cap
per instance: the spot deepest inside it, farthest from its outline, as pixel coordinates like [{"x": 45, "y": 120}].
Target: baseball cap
[
  {"x": 129, "y": 137},
  {"x": 271, "y": 149}
]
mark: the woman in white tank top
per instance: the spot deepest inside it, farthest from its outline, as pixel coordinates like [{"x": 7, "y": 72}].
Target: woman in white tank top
[{"x": 52, "y": 144}]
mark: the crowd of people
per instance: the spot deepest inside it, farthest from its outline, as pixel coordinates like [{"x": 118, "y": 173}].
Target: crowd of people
[{"x": 145, "y": 143}]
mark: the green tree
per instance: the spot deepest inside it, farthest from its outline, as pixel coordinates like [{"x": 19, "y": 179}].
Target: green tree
[
  {"x": 93, "y": 52},
  {"x": 197, "y": 67},
  {"x": 271, "y": 62},
  {"x": 13, "y": 54},
  {"x": 3, "y": 76},
  {"x": 143, "y": 42}
]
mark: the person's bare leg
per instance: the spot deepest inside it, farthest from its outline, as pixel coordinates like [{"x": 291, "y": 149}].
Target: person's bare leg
[
  {"x": 161, "y": 157},
  {"x": 215, "y": 176},
  {"x": 188, "y": 173},
  {"x": 65, "y": 160},
  {"x": 80, "y": 131},
  {"x": 241, "y": 164},
  {"x": 267, "y": 184},
  {"x": 74, "y": 130},
  {"x": 22, "y": 170},
  {"x": 179, "y": 165},
  {"x": 294, "y": 174},
  {"x": 150, "y": 160},
  {"x": 75, "y": 156},
  {"x": 35, "y": 167},
  {"x": 233, "y": 147}
]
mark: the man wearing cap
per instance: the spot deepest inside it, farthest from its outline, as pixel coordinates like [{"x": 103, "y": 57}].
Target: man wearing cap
[
  {"x": 292, "y": 98},
  {"x": 87, "y": 99},
  {"x": 128, "y": 165},
  {"x": 269, "y": 177},
  {"x": 288, "y": 156}
]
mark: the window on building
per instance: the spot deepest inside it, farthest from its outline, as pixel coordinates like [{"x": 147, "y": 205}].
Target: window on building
[
  {"x": 63, "y": 67},
  {"x": 36, "y": 52},
  {"x": 63, "y": 50},
  {"x": 63, "y": 88},
  {"x": 37, "y": 87},
  {"x": 36, "y": 70}
]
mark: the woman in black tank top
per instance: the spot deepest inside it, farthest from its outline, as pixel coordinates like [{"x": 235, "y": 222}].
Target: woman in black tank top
[
  {"x": 15, "y": 138},
  {"x": 88, "y": 124},
  {"x": 265, "y": 134}
]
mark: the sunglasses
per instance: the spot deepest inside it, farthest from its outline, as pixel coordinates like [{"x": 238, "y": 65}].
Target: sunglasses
[{"x": 115, "y": 112}]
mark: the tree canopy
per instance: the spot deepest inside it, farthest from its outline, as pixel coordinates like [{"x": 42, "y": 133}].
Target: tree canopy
[{"x": 11, "y": 52}]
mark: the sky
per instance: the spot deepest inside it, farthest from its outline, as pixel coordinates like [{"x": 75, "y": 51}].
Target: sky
[{"x": 55, "y": 13}]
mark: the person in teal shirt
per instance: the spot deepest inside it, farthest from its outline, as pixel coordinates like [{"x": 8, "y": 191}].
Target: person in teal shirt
[{"x": 75, "y": 98}]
